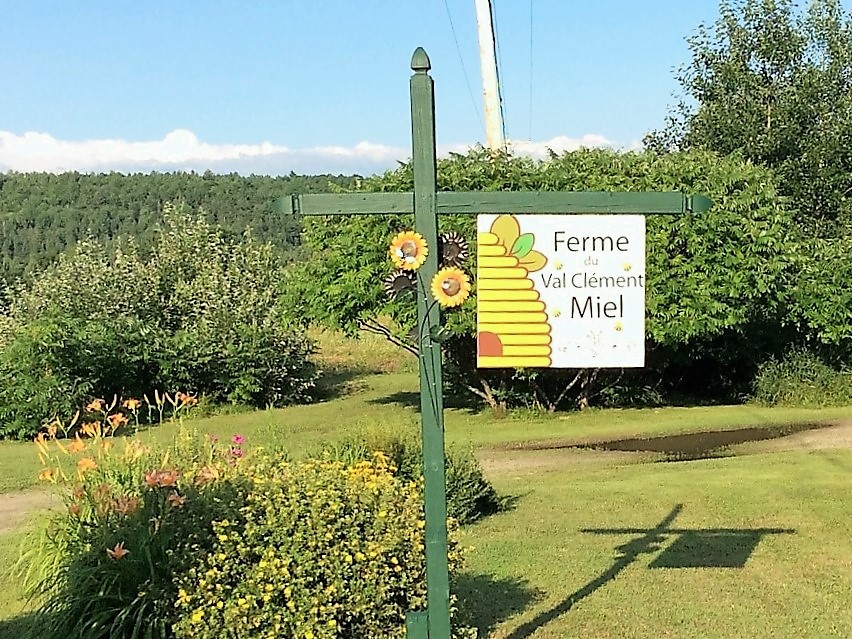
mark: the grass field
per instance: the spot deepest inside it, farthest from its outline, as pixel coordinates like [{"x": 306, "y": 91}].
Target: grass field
[
  {"x": 754, "y": 546},
  {"x": 596, "y": 544}
]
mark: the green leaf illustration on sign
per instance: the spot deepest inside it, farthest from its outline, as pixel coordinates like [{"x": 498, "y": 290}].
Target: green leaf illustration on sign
[{"x": 523, "y": 245}]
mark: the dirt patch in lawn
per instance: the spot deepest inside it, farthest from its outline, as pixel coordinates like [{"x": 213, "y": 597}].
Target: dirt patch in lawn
[
  {"x": 834, "y": 435},
  {"x": 16, "y": 508},
  {"x": 804, "y": 436}
]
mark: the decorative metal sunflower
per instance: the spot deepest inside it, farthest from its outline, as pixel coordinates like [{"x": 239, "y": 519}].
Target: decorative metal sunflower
[
  {"x": 399, "y": 283},
  {"x": 453, "y": 249},
  {"x": 408, "y": 250},
  {"x": 450, "y": 286}
]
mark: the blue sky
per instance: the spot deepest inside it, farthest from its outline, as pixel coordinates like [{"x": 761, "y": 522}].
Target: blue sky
[{"x": 320, "y": 85}]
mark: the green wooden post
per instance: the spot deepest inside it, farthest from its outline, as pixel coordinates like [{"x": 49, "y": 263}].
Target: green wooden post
[{"x": 431, "y": 376}]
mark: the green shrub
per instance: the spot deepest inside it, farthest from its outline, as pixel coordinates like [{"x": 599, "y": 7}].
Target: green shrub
[
  {"x": 470, "y": 496},
  {"x": 802, "y": 378},
  {"x": 326, "y": 550},
  {"x": 39, "y": 378},
  {"x": 199, "y": 314},
  {"x": 197, "y": 540},
  {"x": 55, "y": 363},
  {"x": 256, "y": 365}
]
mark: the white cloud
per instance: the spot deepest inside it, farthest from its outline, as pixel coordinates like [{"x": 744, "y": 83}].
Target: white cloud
[
  {"x": 182, "y": 150},
  {"x": 559, "y": 144}
]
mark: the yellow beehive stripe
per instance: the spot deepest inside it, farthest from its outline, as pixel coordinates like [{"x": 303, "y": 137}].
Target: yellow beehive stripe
[
  {"x": 489, "y": 250},
  {"x": 502, "y": 273},
  {"x": 506, "y": 296},
  {"x": 511, "y": 318},
  {"x": 526, "y": 351},
  {"x": 485, "y": 284},
  {"x": 507, "y": 261},
  {"x": 487, "y": 238},
  {"x": 509, "y": 306},
  {"x": 513, "y": 329},
  {"x": 525, "y": 340},
  {"x": 512, "y": 362}
]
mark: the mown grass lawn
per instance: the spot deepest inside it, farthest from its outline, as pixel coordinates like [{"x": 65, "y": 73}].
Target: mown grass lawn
[
  {"x": 754, "y": 546},
  {"x": 596, "y": 544}
]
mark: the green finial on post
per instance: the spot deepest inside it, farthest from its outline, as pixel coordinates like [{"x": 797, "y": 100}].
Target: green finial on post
[{"x": 420, "y": 61}]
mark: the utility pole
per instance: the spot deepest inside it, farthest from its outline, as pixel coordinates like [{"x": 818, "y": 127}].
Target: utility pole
[{"x": 490, "y": 87}]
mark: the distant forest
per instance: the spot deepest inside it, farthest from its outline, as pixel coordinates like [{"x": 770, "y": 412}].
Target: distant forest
[{"x": 43, "y": 214}]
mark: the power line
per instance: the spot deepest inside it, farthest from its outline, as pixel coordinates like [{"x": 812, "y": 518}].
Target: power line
[{"x": 464, "y": 69}]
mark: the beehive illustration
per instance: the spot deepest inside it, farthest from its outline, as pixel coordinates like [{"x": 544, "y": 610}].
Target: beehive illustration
[{"x": 512, "y": 326}]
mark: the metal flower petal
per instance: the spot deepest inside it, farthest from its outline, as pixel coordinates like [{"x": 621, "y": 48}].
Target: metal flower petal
[
  {"x": 399, "y": 283},
  {"x": 454, "y": 249}
]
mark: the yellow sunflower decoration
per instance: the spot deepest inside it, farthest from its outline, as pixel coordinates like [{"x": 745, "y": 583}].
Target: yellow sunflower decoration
[
  {"x": 408, "y": 250},
  {"x": 450, "y": 287}
]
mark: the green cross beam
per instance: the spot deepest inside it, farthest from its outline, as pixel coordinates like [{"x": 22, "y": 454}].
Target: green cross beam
[{"x": 426, "y": 203}]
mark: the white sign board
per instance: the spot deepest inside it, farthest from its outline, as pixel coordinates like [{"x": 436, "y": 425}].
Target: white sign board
[{"x": 560, "y": 291}]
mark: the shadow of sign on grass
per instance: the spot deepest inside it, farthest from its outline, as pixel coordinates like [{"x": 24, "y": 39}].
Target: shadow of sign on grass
[
  {"x": 691, "y": 548},
  {"x": 411, "y": 399},
  {"x": 485, "y": 601}
]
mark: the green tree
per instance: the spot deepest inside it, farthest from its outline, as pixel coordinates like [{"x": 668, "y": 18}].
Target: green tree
[
  {"x": 43, "y": 215},
  {"x": 713, "y": 287},
  {"x": 775, "y": 84}
]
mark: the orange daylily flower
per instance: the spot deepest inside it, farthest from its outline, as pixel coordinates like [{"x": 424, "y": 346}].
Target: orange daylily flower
[
  {"x": 168, "y": 477},
  {"x": 48, "y": 474},
  {"x": 91, "y": 429},
  {"x": 117, "y": 419},
  {"x": 131, "y": 404},
  {"x": 95, "y": 406},
  {"x": 77, "y": 446},
  {"x": 118, "y": 552},
  {"x": 161, "y": 478},
  {"x": 86, "y": 464},
  {"x": 175, "y": 500},
  {"x": 126, "y": 505},
  {"x": 186, "y": 399}
]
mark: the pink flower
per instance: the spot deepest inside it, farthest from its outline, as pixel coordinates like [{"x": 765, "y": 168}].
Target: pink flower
[
  {"x": 238, "y": 440},
  {"x": 237, "y": 452}
]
